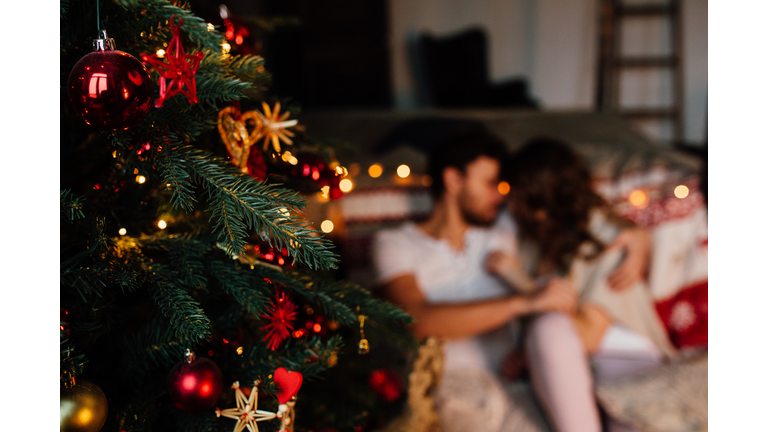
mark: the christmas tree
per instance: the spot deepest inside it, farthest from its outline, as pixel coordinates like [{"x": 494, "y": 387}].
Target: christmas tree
[{"x": 186, "y": 263}]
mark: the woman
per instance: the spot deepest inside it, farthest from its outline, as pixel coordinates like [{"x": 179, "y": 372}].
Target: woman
[{"x": 564, "y": 226}]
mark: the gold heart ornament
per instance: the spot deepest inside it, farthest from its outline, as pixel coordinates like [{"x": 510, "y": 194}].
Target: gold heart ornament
[{"x": 240, "y": 134}]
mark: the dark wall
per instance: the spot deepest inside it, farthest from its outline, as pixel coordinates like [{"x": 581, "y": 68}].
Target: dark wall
[{"x": 336, "y": 57}]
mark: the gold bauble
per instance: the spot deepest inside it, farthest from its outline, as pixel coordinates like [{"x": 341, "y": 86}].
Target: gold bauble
[{"x": 82, "y": 408}]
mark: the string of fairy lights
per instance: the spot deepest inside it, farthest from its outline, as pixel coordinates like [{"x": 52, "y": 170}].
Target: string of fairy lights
[{"x": 637, "y": 198}]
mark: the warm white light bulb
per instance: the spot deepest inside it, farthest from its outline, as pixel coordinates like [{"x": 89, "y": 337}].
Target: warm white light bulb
[
  {"x": 637, "y": 198},
  {"x": 326, "y": 226},
  {"x": 140, "y": 179},
  {"x": 161, "y": 53},
  {"x": 122, "y": 231},
  {"x": 403, "y": 171},
  {"x": 161, "y": 224},
  {"x": 346, "y": 185},
  {"x": 210, "y": 27},
  {"x": 225, "y": 47},
  {"x": 681, "y": 191}
]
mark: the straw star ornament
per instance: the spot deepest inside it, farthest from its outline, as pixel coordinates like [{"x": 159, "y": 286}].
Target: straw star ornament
[
  {"x": 275, "y": 126},
  {"x": 246, "y": 412}
]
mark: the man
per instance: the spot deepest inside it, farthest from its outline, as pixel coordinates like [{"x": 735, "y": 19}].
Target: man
[{"x": 436, "y": 270}]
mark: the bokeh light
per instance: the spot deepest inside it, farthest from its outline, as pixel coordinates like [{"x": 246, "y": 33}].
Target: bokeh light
[
  {"x": 504, "y": 188},
  {"x": 375, "y": 170},
  {"x": 326, "y": 226},
  {"x": 681, "y": 191},
  {"x": 638, "y": 199},
  {"x": 403, "y": 171},
  {"x": 345, "y": 185},
  {"x": 161, "y": 224}
]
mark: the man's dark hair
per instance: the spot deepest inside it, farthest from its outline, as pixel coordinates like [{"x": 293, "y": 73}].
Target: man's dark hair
[{"x": 459, "y": 150}]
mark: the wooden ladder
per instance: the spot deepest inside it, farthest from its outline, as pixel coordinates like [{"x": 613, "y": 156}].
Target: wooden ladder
[{"x": 612, "y": 62}]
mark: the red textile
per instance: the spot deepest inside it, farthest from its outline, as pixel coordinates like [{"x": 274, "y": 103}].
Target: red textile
[{"x": 686, "y": 316}]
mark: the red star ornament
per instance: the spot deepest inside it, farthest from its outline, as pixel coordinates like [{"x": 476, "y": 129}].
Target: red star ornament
[
  {"x": 179, "y": 70},
  {"x": 281, "y": 316}
]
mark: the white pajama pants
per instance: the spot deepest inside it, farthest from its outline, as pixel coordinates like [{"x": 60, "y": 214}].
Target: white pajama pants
[{"x": 562, "y": 378}]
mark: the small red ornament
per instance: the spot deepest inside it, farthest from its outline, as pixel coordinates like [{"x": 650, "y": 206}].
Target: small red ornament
[
  {"x": 110, "y": 89},
  {"x": 335, "y": 191},
  {"x": 194, "y": 385},
  {"x": 257, "y": 165},
  {"x": 237, "y": 32},
  {"x": 289, "y": 383},
  {"x": 281, "y": 316},
  {"x": 64, "y": 322},
  {"x": 310, "y": 166},
  {"x": 386, "y": 384},
  {"x": 180, "y": 69}
]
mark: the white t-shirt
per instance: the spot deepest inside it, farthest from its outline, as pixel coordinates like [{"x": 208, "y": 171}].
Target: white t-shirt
[{"x": 445, "y": 275}]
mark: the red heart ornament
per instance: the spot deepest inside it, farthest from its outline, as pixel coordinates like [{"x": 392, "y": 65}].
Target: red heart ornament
[{"x": 289, "y": 383}]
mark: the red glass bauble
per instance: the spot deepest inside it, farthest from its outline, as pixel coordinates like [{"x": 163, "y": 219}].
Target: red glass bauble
[
  {"x": 386, "y": 383},
  {"x": 256, "y": 165},
  {"x": 195, "y": 386},
  {"x": 335, "y": 191},
  {"x": 110, "y": 89}
]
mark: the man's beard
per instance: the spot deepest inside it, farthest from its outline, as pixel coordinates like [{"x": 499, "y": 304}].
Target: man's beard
[{"x": 474, "y": 218}]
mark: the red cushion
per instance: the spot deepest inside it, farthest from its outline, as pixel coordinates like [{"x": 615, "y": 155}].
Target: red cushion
[{"x": 685, "y": 316}]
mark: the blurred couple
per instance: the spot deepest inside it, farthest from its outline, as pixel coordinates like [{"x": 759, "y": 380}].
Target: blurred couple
[{"x": 547, "y": 277}]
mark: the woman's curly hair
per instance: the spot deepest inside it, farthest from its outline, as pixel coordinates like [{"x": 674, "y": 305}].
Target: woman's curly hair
[{"x": 552, "y": 197}]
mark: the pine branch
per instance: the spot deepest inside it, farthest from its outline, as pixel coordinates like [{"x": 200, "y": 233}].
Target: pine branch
[
  {"x": 239, "y": 203},
  {"x": 213, "y": 88},
  {"x": 84, "y": 281},
  {"x": 344, "y": 302},
  {"x": 63, "y": 7},
  {"x": 307, "y": 356},
  {"x": 185, "y": 314},
  {"x": 185, "y": 256},
  {"x": 199, "y": 422},
  {"x": 247, "y": 68},
  {"x": 72, "y": 362},
  {"x": 127, "y": 277},
  {"x": 71, "y": 206},
  {"x": 155, "y": 346},
  {"x": 303, "y": 286},
  {"x": 81, "y": 271},
  {"x": 247, "y": 290},
  {"x": 150, "y": 12},
  {"x": 185, "y": 121}
]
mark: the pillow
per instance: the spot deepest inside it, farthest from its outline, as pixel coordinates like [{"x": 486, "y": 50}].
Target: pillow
[
  {"x": 673, "y": 398},
  {"x": 686, "y": 316}
]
